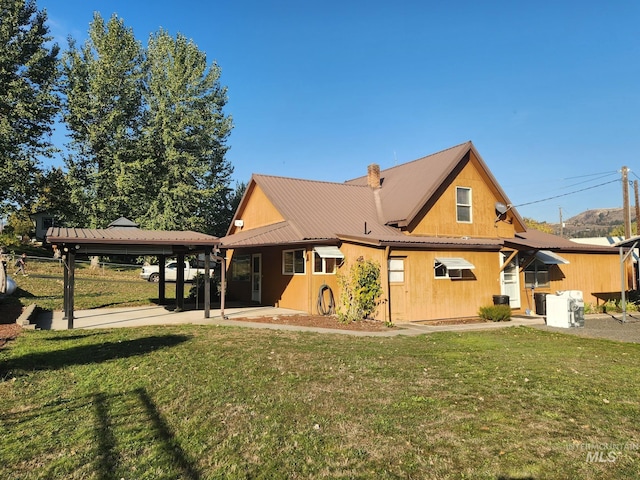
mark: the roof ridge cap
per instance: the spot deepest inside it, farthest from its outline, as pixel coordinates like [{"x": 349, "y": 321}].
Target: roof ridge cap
[{"x": 327, "y": 182}]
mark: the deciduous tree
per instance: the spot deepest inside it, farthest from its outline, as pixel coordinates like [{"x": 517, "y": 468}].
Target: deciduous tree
[
  {"x": 28, "y": 101},
  {"x": 185, "y": 136},
  {"x": 103, "y": 84}
]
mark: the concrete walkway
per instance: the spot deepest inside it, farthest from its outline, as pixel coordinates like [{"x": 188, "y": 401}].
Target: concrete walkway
[{"x": 158, "y": 315}]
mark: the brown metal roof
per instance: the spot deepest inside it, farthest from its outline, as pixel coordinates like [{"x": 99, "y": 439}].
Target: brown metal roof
[
  {"x": 319, "y": 210},
  {"x": 408, "y": 187},
  {"x": 412, "y": 241},
  {"x": 537, "y": 240},
  {"x": 274, "y": 234},
  {"x": 129, "y": 236}
]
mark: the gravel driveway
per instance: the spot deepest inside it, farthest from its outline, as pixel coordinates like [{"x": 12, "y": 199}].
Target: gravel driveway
[{"x": 605, "y": 326}]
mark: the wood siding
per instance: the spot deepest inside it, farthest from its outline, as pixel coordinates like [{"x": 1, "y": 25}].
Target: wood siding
[
  {"x": 426, "y": 297},
  {"x": 256, "y": 211},
  {"x": 439, "y": 217},
  {"x": 596, "y": 275},
  {"x": 298, "y": 292}
]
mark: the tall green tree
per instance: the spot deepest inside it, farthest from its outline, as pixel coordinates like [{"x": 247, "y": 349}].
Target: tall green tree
[
  {"x": 185, "y": 135},
  {"x": 28, "y": 99},
  {"x": 103, "y": 83}
]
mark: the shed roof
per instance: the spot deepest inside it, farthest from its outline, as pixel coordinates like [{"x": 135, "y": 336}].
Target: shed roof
[
  {"x": 130, "y": 240},
  {"x": 537, "y": 240}
]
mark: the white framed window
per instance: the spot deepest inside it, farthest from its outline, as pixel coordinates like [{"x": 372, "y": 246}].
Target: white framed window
[
  {"x": 396, "y": 270},
  {"x": 323, "y": 265},
  {"x": 463, "y": 204},
  {"x": 293, "y": 262},
  {"x": 326, "y": 259},
  {"x": 452, "y": 267}
]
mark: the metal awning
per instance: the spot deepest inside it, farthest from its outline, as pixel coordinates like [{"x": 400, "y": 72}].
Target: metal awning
[
  {"x": 328, "y": 251},
  {"x": 549, "y": 258},
  {"x": 455, "y": 263}
]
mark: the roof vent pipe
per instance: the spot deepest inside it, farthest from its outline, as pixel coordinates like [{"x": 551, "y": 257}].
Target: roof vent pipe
[{"x": 373, "y": 175}]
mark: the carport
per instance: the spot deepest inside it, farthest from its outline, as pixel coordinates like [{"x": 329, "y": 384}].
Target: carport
[
  {"x": 630, "y": 245},
  {"x": 123, "y": 237}
]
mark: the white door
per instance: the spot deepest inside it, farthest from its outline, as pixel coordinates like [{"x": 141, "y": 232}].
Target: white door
[
  {"x": 510, "y": 281},
  {"x": 256, "y": 277}
]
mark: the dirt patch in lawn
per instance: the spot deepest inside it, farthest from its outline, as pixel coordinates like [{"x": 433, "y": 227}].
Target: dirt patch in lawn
[
  {"x": 9, "y": 331},
  {"x": 319, "y": 321}
]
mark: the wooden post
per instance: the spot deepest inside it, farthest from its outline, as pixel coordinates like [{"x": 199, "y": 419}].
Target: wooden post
[
  {"x": 635, "y": 191},
  {"x": 625, "y": 203},
  {"x": 65, "y": 283},
  {"x": 71, "y": 259},
  {"x": 626, "y": 210},
  {"x": 161, "y": 279},
  {"x": 207, "y": 285},
  {"x": 180, "y": 283}
]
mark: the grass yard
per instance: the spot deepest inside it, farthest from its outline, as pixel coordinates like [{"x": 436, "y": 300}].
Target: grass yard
[
  {"x": 94, "y": 288},
  {"x": 206, "y": 402}
]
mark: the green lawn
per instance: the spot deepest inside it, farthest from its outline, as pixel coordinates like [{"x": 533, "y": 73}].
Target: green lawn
[
  {"x": 108, "y": 286},
  {"x": 203, "y": 402}
]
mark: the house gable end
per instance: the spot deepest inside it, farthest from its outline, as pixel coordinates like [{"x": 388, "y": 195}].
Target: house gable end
[
  {"x": 439, "y": 215},
  {"x": 255, "y": 210}
]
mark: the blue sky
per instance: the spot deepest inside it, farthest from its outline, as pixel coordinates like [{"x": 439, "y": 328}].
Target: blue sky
[{"x": 547, "y": 91}]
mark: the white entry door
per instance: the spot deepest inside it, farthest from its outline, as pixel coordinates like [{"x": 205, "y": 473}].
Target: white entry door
[
  {"x": 256, "y": 277},
  {"x": 510, "y": 281}
]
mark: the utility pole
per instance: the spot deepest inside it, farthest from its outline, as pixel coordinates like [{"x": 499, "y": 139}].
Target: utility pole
[
  {"x": 626, "y": 211},
  {"x": 625, "y": 203},
  {"x": 635, "y": 191},
  {"x": 561, "y": 223}
]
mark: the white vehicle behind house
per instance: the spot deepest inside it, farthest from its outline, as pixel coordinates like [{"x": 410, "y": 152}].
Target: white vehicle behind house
[{"x": 151, "y": 273}]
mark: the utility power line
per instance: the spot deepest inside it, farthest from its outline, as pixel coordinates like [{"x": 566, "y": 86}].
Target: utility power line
[{"x": 568, "y": 193}]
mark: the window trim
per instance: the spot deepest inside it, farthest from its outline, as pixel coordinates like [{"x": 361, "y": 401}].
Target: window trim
[
  {"x": 390, "y": 270},
  {"x": 323, "y": 260},
  {"x": 293, "y": 264},
  {"x": 536, "y": 268},
  {"x": 468, "y": 206},
  {"x": 440, "y": 263}
]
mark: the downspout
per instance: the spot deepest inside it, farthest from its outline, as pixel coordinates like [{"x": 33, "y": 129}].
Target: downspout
[{"x": 387, "y": 252}]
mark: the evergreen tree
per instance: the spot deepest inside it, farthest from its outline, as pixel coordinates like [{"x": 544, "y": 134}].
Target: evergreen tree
[{"x": 28, "y": 101}]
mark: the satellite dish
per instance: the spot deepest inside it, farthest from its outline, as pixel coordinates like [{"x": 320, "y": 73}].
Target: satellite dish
[{"x": 501, "y": 208}]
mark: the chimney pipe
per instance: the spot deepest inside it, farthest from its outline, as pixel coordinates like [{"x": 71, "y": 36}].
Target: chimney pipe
[{"x": 373, "y": 175}]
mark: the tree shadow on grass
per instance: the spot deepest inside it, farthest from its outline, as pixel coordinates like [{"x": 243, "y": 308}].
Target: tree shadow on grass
[
  {"x": 159, "y": 429},
  {"x": 115, "y": 416},
  {"x": 88, "y": 354}
]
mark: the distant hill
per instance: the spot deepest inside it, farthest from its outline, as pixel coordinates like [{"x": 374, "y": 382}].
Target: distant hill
[{"x": 592, "y": 223}]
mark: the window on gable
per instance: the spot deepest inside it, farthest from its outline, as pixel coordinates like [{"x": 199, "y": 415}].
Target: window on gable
[
  {"x": 293, "y": 262},
  {"x": 463, "y": 204}
]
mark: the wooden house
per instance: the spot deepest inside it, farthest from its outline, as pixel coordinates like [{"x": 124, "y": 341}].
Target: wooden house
[{"x": 441, "y": 228}]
